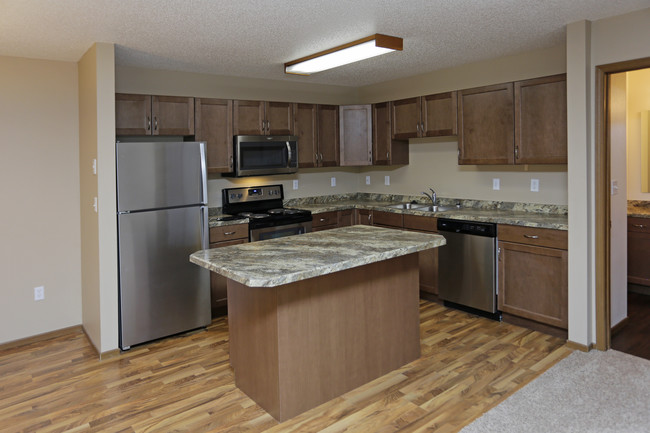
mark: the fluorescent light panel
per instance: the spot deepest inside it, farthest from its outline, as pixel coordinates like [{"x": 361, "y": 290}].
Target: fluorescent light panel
[{"x": 349, "y": 53}]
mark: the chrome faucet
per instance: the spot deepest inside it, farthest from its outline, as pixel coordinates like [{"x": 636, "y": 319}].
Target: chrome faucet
[{"x": 433, "y": 197}]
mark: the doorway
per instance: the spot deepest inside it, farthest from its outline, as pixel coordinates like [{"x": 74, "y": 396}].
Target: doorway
[{"x": 606, "y": 82}]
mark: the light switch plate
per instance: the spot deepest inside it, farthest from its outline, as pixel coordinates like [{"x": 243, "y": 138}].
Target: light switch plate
[
  {"x": 614, "y": 187},
  {"x": 386, "y": 180},
  {"x": 534, "y": 185},
  {"x": 496, "y": 184},
  {"x": 295, "y": 184},
  {"x": 367, "y": 180},
  {"x": 39, "y": 293},
  {"x": 333, "y": 181}
]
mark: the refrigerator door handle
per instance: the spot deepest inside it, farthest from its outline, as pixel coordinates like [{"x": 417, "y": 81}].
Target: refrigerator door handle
[
  {"x": 205, "y": 231},
  {"x": 204, "y": 176}
]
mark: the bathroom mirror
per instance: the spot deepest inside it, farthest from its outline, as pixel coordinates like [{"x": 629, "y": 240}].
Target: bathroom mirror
[{"x": 645, "y": 151}]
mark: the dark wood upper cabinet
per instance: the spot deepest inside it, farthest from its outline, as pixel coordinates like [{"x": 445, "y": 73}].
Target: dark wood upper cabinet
[
  {"x": 328, "y": 135},
  {"x": 425, "y": 116},
  {"x": 305, "y": 127},
  {"x": 262, "y": 118},
  {"x": 386, "y": 150},
  {"x": 485, "y": 125},
  {"x": 439, "y": 115},
  {"x": 153, "y": 115},
  {"x": 355, "y": 126},
  {"x": 541, "y": 121},
  {"x": 132, "y": 114},
  {"x": 213, "y": 119}
]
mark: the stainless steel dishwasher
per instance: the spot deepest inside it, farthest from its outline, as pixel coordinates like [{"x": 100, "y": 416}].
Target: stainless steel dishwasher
[{"x": 467, "y": 276}]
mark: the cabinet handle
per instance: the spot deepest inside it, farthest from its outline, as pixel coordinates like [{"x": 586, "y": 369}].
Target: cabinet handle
[
  {"x": 321, "y": 157},
  {"x": 228, "y": 233},
  {"x": 417, "y": 127},
  {"x": 155, "y": 123},
  {"x": 641, "y": 226},
  {"x": 268, "y": 126},
  {"x": 531, "y": 236},
  {"x": 422, "y": 127},
  {"x": 322, "y": 219},
  {"x": 231, "y": 161},
  {"x": 516, "y": 152},
  {"x": 148, "y": 123},
  {"x": 387, "y": 155}
]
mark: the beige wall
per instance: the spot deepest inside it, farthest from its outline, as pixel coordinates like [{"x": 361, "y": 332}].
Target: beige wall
[
  {"x": 618, "y": 210},
  {"x": 98, "y": 229},
  {"x": 589, "y": 45},
  {"x": 39, "y": 187},
  {"x": 638, "y": 101}
]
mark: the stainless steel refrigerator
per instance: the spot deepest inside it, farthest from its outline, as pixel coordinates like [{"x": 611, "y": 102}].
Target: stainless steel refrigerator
[{"x": 162, "y": 218}]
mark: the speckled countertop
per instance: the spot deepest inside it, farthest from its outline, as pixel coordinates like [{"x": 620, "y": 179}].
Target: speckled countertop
[
  {"x": 521, "y": 214},
  {"x": 638, "y": 209},
  {"x": 289, "y": 259}
]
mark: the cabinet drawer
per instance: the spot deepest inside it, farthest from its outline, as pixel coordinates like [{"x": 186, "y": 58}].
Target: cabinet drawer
[
  {"x": 325, "y": 219},
  {"x": 638, "y": 225},
  {"x": 424, "y": 223},
  {"x": 226, "y": 233},
  {"x": 388, "y": 219},
  {"x": 534, "y": 236}
]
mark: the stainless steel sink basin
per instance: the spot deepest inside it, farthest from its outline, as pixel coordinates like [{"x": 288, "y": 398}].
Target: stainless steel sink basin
[
  {"x": 408, "y": 206},
  {"x": 437, "y": 208}
]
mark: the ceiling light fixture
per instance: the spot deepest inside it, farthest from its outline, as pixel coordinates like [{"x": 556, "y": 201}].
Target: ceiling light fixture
[{"x": 342, "y": 55}]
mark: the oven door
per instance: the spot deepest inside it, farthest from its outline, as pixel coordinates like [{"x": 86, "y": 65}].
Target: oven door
[
  {"x": 279, "y": 231},
  {"x": 263, "y": 155}
]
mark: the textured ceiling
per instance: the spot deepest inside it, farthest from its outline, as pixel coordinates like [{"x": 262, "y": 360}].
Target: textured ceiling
[{"x": 253, "y": 38}]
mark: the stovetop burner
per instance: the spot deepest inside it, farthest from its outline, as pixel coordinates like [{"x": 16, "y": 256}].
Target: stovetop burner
[{"x": 252, "y": 215}]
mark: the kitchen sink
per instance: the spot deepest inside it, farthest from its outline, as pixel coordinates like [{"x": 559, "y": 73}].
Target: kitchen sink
[
  {"x": 407, "y": 206},
  {"x": 437, "y": 208}
]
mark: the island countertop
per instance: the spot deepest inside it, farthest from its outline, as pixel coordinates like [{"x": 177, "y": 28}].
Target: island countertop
[{"x": 275, "y": 262}]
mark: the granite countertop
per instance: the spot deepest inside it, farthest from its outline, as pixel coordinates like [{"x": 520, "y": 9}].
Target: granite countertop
[
  {"x": 638, "y": 209},
  {"x": 289, "y": 259},
  {"x": 555, "y": 221}
]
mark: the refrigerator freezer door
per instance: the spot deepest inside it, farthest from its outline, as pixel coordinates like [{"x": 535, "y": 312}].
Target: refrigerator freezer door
[
  {"x": 160, "y": 175},
  {"x": 161, "y": 292}
]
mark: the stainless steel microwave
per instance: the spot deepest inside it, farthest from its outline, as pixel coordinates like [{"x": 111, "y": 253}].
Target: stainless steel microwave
[{"x": 260, "y": 155}]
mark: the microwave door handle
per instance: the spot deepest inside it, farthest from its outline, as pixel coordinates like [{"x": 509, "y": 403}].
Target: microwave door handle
[{"x": 289, "y": 154}]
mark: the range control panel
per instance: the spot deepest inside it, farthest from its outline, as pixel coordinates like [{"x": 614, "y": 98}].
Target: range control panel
[{"x": 253, "y": 194}]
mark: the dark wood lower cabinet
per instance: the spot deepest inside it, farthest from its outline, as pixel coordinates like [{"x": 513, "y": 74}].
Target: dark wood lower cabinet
[
  {"x": 638, "y": 246},
  {"x": 223, "y": 236},
  {"x": 533, "y": 283}
]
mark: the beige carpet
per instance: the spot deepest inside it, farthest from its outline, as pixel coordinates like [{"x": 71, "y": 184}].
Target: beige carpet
[{"x": 585, "y": 392}]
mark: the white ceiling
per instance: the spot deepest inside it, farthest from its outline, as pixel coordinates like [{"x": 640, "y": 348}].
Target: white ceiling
[{"x": 254, "y": 38}]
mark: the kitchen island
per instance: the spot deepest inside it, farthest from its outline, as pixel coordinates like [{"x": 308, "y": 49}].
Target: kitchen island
[{"x": 316, "y": 315}]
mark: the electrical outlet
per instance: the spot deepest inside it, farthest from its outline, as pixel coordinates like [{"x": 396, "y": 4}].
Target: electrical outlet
[
  {"x": 386, "y": 180},
  {"x": 333, "y": 181},
  {"x": 534, "y": 185},
  {"x": 39, "y": 293},
  {"x": 367, "y": 180},
  {"x": 496, "y": 184},
  {"x": 295, "y": 184}
]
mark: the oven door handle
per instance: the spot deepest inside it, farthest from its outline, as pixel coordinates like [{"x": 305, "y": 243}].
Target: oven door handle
[{"x": 289, "y": 154}]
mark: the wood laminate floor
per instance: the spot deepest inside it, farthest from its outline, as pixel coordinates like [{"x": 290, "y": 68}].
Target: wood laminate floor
[
  {"x": 634, "y": 338},
  {"x": 185, "y": 383}
]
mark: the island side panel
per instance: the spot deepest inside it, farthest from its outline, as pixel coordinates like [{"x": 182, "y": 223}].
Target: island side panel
[
  {"x": 252, "y": 325},
  {"x": 341, "y": 330}
]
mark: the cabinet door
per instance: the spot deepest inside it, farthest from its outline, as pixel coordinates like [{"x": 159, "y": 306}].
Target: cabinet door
[
  {"x": 533, "y": 283},
  {"x": 248, "y": 118},
  {"x": 355, "y": 135},
  {"x": 305, "y": 127},
  {"x": 363, "y": 216},
  {"x": 439, "y": 114},
  {"x": 132, "y": 114},
  {"x": 388, "y": 219},
  {"x": 328, "y": 135},
  {"x": 385, "y": 149},
  {"x": 279, "y": 118},
  {"x": 638, "y": 245},
  {"x": 172, "y": 115},
  {"x": 541, "y": 121},
  {"x": 486, "y": 125},
  {"x": 428, "y": 259},
  {"x": 345, "y": 218},
  {"x": 213, "y": 119},
  {"x": 405, "y": 118}
]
